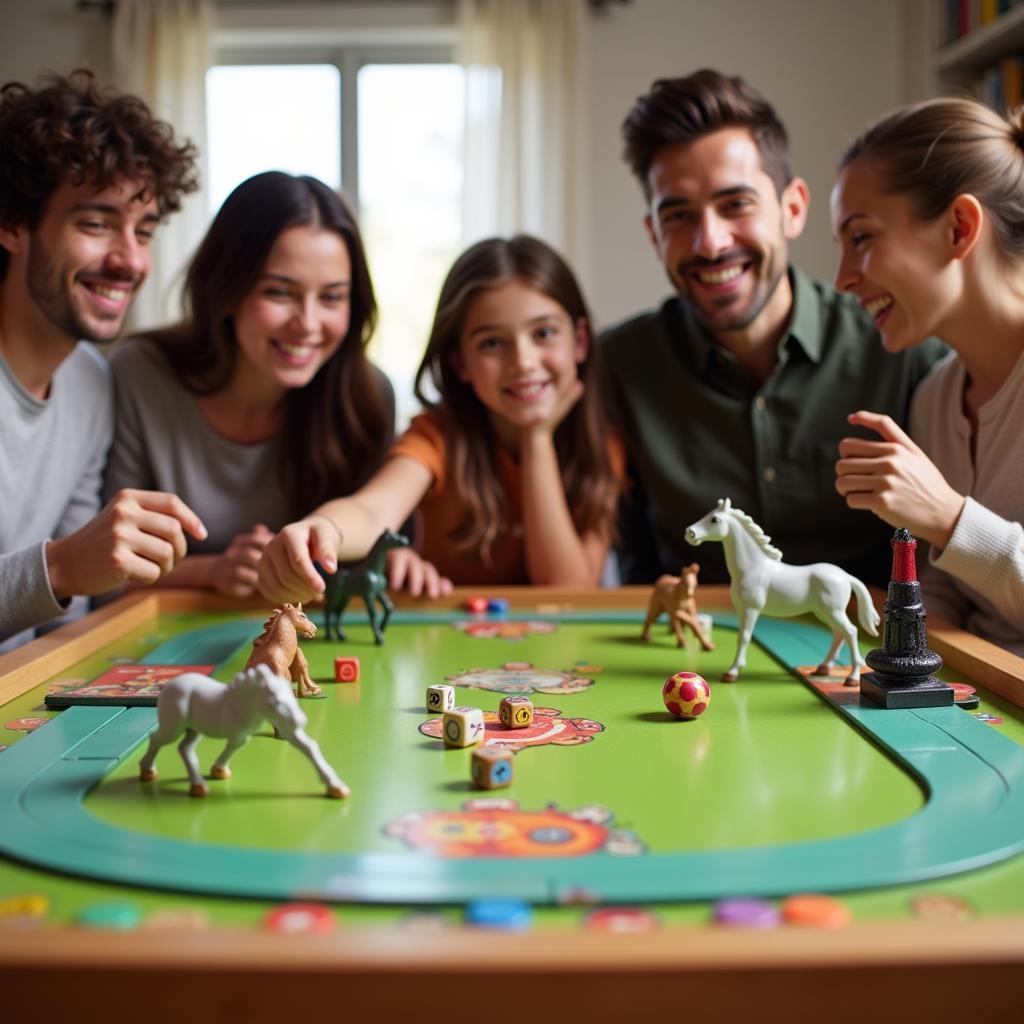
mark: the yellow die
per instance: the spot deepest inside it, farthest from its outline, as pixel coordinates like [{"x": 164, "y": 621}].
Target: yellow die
[{"x": 515, "y": 712}]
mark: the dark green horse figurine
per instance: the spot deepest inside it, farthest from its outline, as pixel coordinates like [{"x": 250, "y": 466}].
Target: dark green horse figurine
[{"x": 366, "y": 579}]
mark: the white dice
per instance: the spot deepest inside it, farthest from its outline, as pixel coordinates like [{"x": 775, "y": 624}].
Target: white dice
[
  {"x": 463, "y": 727},
  {"x": 440, "y": 698}
]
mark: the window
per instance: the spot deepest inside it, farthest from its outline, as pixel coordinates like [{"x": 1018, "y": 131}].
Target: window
[{"x": 385, "y": 126}]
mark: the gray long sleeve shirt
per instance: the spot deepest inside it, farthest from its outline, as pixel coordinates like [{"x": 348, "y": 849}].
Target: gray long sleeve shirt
[{"x": 52, "y": 453}]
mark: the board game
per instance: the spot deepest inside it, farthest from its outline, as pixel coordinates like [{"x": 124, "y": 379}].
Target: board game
[{"x": 622, "y": 831}]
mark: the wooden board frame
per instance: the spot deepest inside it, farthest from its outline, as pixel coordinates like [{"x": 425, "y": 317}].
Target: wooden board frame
[{"x": 907, "y": 967}]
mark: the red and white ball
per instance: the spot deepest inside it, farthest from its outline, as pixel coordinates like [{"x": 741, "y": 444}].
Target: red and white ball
[{"x": 686, "y": 695}]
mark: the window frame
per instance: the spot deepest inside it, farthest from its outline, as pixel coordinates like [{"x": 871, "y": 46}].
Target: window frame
[{"x": 349, "y": 59}]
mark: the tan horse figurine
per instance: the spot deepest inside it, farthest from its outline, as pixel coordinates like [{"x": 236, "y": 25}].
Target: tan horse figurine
[
  {"x": 674, "y": 595},
  {"x": 277, "y": 647}
]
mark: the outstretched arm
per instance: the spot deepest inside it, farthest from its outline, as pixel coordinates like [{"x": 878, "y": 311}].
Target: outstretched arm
[{"x": 340, "y": 530}]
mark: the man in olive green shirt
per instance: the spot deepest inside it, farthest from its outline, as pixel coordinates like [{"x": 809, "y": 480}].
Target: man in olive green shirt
[{"x": 739, "y": 386}]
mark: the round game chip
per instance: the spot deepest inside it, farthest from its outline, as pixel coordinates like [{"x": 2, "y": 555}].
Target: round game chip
[
  {"x": 510, "y": 915},
  {"x": 300, "y": 919},
  {"x": 119, "y": 916},
  {"x": 988, "y": 719},
  {"x": 942, "y": 907},
  {"x": 26, "y": 905},
  {"x": 961, "y": 690},
  {"x": 25, "y": 724},
  {"x": 747, "y": 914},
  {"x": 622, "y": 920},
  {"x": 967, "y": 703},
  {"x": 813, "y": 911}
]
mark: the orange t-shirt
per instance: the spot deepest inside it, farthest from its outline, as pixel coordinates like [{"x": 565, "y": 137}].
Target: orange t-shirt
[{"x": 441, "y": 511}]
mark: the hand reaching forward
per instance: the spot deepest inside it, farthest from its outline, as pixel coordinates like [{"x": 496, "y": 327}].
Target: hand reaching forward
[
  {"x": 234, "y": 572},
  {"x": 896, "y": 480},
  {"x": 286, "y": 571},
  {"x": 409, "y": 570},
  {"x": 139, "y": 536}
]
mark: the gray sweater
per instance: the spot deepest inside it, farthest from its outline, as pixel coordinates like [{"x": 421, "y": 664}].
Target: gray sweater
[{"x": 52, "y": 453}]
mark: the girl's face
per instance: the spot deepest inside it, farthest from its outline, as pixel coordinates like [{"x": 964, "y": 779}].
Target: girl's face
[
  {"x": 297, "y": 315},
  {"x": 519, "y": 350},
  {"x": 895, "y": 263}
]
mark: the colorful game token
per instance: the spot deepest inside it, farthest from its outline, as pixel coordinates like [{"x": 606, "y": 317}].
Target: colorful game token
[
  {"x": 747, "y": 914},
  {"x": 686, "y": 694},
  {"x": 118, "y": 916},
  {"x": 621, "y": 920},
  {"x": 942, "y": 907},
  {"x": 497, "y": 605},
  {"x": 476, "y": 605},
  {"x": 510, "y": 915},
  {"x": 300, "y": 919},
  {"x": 25, "y": 724},
  {"x": 988, "y": 719},
  {"x": 814, "y": 911},
  {"x": 346, "y": 670},
  {"x": 27, "y": 905},
  {"x": 965, "y": 696}
]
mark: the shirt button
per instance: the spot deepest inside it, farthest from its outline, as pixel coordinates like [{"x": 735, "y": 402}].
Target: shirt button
[
  {"x": 769, "y": 474},
  {"x": 760, "y": 403}
]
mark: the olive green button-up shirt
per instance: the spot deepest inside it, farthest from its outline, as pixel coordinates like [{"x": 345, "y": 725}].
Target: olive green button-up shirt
[{"x": 698, "y": 427}]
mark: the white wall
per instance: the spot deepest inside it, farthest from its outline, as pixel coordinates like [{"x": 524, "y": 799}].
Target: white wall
[
  {"x": 37, "y": 36},
  {"x": 827, "y": 66}
]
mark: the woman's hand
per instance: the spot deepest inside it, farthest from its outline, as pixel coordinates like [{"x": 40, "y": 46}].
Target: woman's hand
[
  {"x": 234, "y": 572},
  {"x": 286, "y": 571},
  {"x": 896, "y": 480},
  {"x": 407, "y": 569}
]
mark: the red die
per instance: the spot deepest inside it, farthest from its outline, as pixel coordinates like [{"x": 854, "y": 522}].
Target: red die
[{"x": 346, "y": 670}]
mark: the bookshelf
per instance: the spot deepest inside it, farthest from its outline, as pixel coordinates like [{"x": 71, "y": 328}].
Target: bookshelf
[{"x": 988, "y": 60}]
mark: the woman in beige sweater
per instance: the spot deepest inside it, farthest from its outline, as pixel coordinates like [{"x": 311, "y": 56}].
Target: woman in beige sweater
[{"x": 928, "y": 209}]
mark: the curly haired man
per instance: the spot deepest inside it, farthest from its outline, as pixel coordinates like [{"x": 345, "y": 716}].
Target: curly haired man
[{"x": 86, "y": 175}]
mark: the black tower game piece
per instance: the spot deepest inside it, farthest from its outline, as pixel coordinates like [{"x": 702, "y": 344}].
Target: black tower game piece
[{"x": 904, "y": 668}]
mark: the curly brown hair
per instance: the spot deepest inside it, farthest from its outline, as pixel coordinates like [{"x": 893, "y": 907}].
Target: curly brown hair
[{"x": 73, "y": 130}]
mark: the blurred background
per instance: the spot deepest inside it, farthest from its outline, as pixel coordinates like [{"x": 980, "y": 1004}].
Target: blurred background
[{"x": 445, "y": 121}]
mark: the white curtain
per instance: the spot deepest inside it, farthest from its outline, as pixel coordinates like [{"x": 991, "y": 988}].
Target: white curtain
[
  {"x": 162, "y": 50},
  {"x": 524, "y": 118}
]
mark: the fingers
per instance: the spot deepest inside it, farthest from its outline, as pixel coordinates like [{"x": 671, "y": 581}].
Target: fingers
[
  {"x": 434, "y": 584},
  {"x": 167, "y": 504},
  {"x": 884, "y": 425},
  {"x": 323, "y": 542},
  {"x": 398, "y": 565},
  {"x": 286, "y": 571}
]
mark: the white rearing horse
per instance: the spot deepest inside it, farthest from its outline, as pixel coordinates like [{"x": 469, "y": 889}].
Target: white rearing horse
[
  {"x": 195, "y": 704},
  {"x": 762, "y": 582}
]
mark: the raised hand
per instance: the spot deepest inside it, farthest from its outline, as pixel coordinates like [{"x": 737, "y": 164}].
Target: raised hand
[
  {"x": 137, "y": 536},
  {"x": 896, "y": 480}
]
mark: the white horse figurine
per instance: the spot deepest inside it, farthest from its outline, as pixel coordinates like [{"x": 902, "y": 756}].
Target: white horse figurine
[
  {"x": 762, "y": 582},
  {"x": 195, "y": 704}
]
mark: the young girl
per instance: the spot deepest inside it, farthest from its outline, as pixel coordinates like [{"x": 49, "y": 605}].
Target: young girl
[
  {"x": 262, "y": 403},
  {"x": 511, "y": 466},
  {"x": 929, "y": 211}
]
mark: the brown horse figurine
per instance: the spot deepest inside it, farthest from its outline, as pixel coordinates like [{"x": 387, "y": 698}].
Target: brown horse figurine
[
  {"x": 674, "y": 595},
  {"x": 277, "y": 647}
]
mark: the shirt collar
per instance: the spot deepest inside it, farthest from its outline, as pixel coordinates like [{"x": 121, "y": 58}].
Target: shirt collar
[{"x": 805, "y": 324}]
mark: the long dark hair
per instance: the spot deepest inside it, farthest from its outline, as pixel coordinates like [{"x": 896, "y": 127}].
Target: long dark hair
[
  {"x": 591, "y": 490},
  {"x": 338, "y": 427}
]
